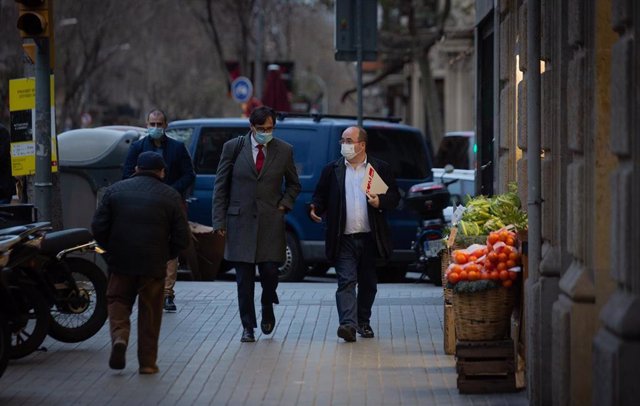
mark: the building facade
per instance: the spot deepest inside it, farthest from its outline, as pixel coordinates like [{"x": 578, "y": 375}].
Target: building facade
[{"x": 574, "y": 95}]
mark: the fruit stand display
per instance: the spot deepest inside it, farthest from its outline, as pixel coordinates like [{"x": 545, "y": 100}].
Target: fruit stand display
[{"x": 482, "y": 276}]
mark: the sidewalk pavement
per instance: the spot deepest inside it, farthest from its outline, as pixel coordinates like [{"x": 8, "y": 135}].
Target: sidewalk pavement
[{"x": 303, "y": 362}]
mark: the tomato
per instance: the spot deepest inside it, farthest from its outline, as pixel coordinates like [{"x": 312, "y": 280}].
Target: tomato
[
  {"x": 493, "y": 238},
  {"x": 472, "y": 268},
  {"x": 502, "y": 266},
  {"x": 460, "y": 258},
  {"x": 485, "y": 275},
  {"x": 502, "y": 257},
  {"x": 504, "y": 235},
  {"x": 495, "y": 275},
  {"x": 492, "y": 256},
  {"x": 507, "y": 283},
  {"x": 456, "y": 268},
  {"x": 472, "y": 258},
  {"x": 511, "y": 263},
  {"x": 463, "y": 275},
  {"x": 489, "y": 265},
  {"x": 478, "y": 253},
  {"x": 504, "y": 275},
  {"x": 473, "y": 276},
  {"x": 510, "y": 241},
  {"x": 513, "y": 275},
  {"x": 453, "y": 277},
  {"x": 514, "y": 256}
]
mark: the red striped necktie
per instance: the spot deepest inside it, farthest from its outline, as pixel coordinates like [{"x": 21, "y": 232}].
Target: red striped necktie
[{"x": 259, "y": 158}]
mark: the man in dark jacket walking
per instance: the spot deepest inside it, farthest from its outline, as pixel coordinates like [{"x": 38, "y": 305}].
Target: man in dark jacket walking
[
  {"x": 141, "y": 224},
  {"x": 252, "y": 193},
  {"x": 357, "y": 230},
  {"x": 179, "y": 175}
]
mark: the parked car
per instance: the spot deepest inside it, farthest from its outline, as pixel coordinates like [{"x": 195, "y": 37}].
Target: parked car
[{"x": 315, "y": 143}]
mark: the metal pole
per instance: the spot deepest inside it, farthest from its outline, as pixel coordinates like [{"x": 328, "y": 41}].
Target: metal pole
[
  {"x": 359, "y": 57},
  {"x": 42, "y": 184},
  {"x": 257, "y": 69}
]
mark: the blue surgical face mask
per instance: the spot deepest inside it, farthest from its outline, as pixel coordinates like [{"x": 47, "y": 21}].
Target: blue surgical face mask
[
  {"x": 263, "y": 138},
  {"x": 155, "y": 132}
]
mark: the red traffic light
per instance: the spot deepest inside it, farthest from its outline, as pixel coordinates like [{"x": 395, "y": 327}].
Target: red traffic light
[{"x": 33, "y": 18}]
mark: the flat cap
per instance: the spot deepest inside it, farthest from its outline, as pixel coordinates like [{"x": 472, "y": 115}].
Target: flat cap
[{"x": 150, "y": 161}]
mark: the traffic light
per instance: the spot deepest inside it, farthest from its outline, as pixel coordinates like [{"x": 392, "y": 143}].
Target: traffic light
[{"x": 34, "y": 18}]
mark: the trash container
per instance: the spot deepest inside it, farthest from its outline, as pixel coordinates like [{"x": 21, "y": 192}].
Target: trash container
[{"x": 90, "y": 159}]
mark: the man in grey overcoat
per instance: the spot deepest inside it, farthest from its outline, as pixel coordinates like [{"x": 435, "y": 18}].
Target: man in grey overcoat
[{"x": 249, "y": 205}]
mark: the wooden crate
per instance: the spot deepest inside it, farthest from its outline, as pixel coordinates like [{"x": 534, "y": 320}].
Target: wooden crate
[
  {"x": 486, "y": 366},
  {"x": 449, "y": 330}
]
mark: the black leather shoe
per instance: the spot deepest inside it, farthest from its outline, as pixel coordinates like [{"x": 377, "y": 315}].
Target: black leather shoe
[
  {"x": 247, "y": 335},
  {"x": 347, "y": 333},
  {"x": 268, "y": 320},
  {"x": 365, "y": 330},
  {"x": 169, "y": 305}
]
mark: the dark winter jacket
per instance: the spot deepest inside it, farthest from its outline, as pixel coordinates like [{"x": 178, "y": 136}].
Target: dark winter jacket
[
  {"x": 329, "y": 199},
  {"x": 179, "y": 173},
  {"x": 141, "y": 223}
]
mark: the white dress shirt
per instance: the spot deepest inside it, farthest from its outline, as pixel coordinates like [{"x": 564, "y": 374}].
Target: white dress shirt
[
  {"x": 254, "y": 149},
  {"x": 357, "y": 219}
]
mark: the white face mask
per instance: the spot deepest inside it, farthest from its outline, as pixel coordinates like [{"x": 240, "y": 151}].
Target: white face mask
[{"x": 348, "y": 151}]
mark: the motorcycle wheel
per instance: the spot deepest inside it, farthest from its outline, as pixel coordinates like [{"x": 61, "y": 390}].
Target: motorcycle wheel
[
  {"x": 28, "y": 328},
  {"x": 5, "y": 343},
  {"x": 77, "y": 317}
]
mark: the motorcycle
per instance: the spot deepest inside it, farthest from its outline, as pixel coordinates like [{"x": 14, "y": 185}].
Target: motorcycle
[
  {"x": 24, "y": 310},
  {"x": 74, "y": 287},
  {"x": 428, "y": 200}
]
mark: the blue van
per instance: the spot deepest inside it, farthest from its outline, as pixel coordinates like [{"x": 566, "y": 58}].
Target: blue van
[{"x": 315, "y": 143}]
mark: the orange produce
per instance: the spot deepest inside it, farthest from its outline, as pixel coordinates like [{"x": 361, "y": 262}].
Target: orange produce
[
  {"x": 492, "y": 256},
  {"x": 502, "y": 266},
  {"x": 513, "y": 275},
  {"x": 511, "y": 263},
  {"x": 510, "y": 241},
  {"x": 504, "y": 275},
  {"x": 485, "y": 275},
  {"x": 460, "y": 258},
  {"x": 514, "y": 256},
  {"x": 489, "y": 266},
  {"x": 502, "y": 257},
  {"x": 453, "y": 277},
  {"x": 472, "y": 258},
  {"x": 495, "y": 275},
  {"x": 504, "y": 235},
  {"x": 507, "y": 283},
  {"x": 493, "y": 238},
  {"x": 463, "y": 275},
  {"x": 473, "y": 276}
]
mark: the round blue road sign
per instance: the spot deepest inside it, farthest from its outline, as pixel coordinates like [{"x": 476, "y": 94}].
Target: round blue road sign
[{"x": 241, "y": 89}]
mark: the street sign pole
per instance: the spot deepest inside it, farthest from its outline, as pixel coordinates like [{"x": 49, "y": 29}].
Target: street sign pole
[
  {"x": 42, "y": 184},
  {"x": 359, "y": 58}
]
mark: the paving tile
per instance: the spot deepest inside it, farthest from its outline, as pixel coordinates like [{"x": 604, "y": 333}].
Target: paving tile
[{"x": 302, "y": 362}]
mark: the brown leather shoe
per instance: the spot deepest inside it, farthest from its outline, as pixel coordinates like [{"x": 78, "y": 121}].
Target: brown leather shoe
[
  {"x": 118, "y": 352},
  {"x": 149, "y": 370}
]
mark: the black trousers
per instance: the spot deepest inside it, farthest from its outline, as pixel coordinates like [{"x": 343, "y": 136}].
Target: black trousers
[{"x": 245, "y": 278}]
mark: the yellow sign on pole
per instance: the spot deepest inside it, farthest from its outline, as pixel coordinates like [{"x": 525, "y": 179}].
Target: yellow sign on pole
[{"x": 22, "y": 104}]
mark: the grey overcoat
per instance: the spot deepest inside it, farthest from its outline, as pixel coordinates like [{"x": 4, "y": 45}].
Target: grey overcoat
[{"x": 245, "y": 203}]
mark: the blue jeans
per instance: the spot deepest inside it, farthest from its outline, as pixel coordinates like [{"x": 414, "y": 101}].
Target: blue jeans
[{"x": 356, "y": 265}]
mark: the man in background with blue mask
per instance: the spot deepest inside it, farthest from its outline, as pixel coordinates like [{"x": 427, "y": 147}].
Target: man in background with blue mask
[
  {"x": 249, "y": 204},
  {"x": 179, "y": 175}
]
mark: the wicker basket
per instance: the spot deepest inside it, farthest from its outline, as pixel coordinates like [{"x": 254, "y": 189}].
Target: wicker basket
[
  {"x": 484, "y": 315},
  {"x": 445, "y": 261}
]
